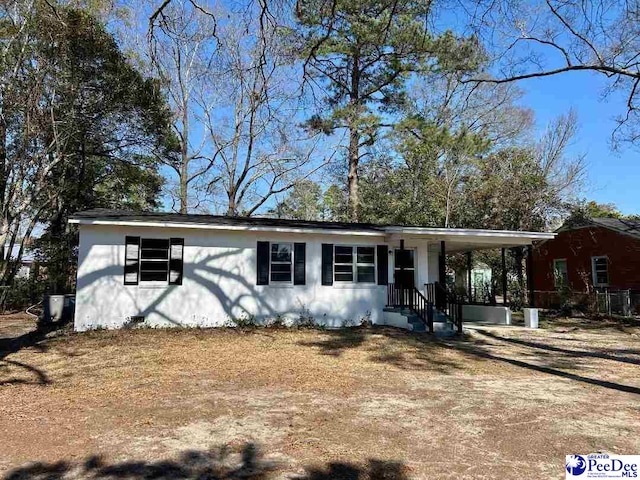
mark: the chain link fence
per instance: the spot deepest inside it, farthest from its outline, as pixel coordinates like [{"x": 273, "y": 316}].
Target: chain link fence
[
  {"x": 607, "y": 302},
  {"x": 620, "y": 302}
]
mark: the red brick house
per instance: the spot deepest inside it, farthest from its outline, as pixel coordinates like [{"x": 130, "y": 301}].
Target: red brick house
[{"x": 588, "y": 255}]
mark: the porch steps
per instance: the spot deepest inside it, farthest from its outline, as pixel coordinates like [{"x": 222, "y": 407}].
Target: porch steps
[{"x": 441, "y": 326}]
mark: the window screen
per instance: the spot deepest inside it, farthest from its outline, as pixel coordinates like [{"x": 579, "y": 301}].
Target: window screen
[
  {"x": 354, "y": 264},
  {"x": 366, "y": 267},
  {"x": 281, "y": 262},
  {"x": 343, "y": 264},
  {"x": 560, "y": 273},
  {"x": 600, "y": 271},
  {"x": 153, "y": 260}
]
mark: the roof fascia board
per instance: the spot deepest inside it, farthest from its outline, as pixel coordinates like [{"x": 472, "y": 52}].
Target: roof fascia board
[
  {"x": 438, "y": 233},
  {"x": 240, "y": 228},
  {"x": 463, "y": 232},
  {"x": 384, "y": 231}
]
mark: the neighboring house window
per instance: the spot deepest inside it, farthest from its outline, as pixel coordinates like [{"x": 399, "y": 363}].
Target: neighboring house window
[
  {"x": 560, "y": 272},
  {"x": 153, "y": 261},
  {"x": 281, "y": 262},
  {"x": 600, "y": 269},
  {"x": 354, "y": 264}
]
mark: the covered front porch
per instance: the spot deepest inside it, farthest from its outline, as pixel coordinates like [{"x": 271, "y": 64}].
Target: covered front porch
[{"x": 418, "y": 289}]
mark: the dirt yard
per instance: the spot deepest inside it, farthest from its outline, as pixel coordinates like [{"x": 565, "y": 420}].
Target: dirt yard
[{"x": 374, "y": 403}]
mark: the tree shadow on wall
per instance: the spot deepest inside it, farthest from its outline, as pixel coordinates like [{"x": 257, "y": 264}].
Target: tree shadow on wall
[
  {"x": 219, "y": 464},
  {"x": 203, "y": 272}
]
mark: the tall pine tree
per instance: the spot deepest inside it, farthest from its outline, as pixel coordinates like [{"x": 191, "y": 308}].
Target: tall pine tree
[{"x": 364, "y": 52}]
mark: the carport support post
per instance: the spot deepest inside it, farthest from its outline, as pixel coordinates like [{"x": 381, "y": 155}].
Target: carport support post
[
  {"x": 441, "y": 295},
  {"x": 532, "y": 300},
  {"x": 442, "y": 273},
  {"x": 469, "y": 267},
  {"x": 504, "y": 276},
  {"x": 401, "y": 274}
]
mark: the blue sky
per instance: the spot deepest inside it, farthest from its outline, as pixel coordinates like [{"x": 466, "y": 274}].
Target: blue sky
[{"x": 613, "y": 177}]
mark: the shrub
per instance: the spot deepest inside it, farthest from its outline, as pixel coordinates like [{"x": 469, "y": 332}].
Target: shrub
[
  {"x": 306, "y": 320},
  {"x": 349, "y": 323},
  {"x": 276, "y": 322},
  {"x": 23, "y": 293},
  {"x": 246, "y": 321},
  {"x": 366, "y": 320}
]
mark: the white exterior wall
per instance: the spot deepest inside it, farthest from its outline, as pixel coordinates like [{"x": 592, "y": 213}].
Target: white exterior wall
[
  {"x": 434, "y": 260},
  {"x": 422, "y": 266},
  {"x": 219, "y": 281}
]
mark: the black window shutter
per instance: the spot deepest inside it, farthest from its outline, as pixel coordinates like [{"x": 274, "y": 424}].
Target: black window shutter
[
  {"x": 327, "y": 264},
  {"x": 299, "y": 258},
  {"x": 383, "y": 265},
  {"x": 131, "y": 260},
  {"x": 263, "y": 263},
  {"x": 176, "y": 262}
]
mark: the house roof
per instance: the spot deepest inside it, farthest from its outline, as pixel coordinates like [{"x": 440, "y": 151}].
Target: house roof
[
  {"x": 624, "y": 226},
  {"x": 459, "y": 239},
  {"x": 200, "y": 219},
  {"x": 628, "y": 227}
]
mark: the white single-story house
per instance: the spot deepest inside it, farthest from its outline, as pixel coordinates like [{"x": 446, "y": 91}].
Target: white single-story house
[{"x": 166, "y": 269}]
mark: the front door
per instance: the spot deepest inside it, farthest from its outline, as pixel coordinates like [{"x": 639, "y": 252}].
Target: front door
[{"x": 404, "y": 268}]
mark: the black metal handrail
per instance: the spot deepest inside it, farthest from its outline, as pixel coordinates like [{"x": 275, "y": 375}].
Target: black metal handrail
[
  {"x": 445, "y": 301},
  {"x": 413, "y": 299},
  {"x": 454, "y": 312},
  {"x": 437, "y": 294},
  {"x": 430, "y": 292}
]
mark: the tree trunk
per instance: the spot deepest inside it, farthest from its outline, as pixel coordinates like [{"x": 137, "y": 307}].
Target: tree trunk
[
  {"x": 184, "y": 167},
  {"x": 518, "y": 257},
  {"x": 232, "y": 208},
  {"x": 4, "y": 225},
  {"x": 184, "y": 192},
  {"x": 3, "y": 161},
  {"x": 354, "y": 157},
  {"x": 354, "y": 140}
]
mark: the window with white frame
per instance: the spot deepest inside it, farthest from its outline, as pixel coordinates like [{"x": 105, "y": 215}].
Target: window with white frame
[
  {"x": 366, "y": 264},
  {"x": 281, "y": 262},
  {"x": 153, "y": 261},
  {"x": 560, "y": 272},
  {"x": 353, "y": 264},
  {"x": 600, "y": 270}
]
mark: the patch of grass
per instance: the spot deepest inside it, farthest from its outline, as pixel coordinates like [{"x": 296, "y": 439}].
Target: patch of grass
[
  {"x": 319, "y": 404},
  {"x": 591, "y": 323}
]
